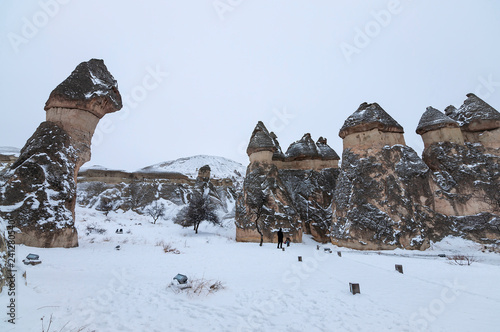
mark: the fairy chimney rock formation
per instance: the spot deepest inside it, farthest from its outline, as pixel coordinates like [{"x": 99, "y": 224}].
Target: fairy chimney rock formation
[
  {"x": 370, "y": 127},
  {"x": 38, "y": 192},
  {"x": 479, "y": 122},
  {"x": 263, "y": 146},
  {"x": 80, "y": 101},
  {"x": 435, "y": 127},
  {"x": 304, "y": 154}
]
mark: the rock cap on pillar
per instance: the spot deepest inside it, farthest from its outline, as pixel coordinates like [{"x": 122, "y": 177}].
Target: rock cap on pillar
[
  {"x": 475, "y": 114},
  {"x": 262, "y": 140},
  {"x": 306, "y": 149},
  {"x": 368, "y": 117},
  {"x": 433, "y": 119},
  {"x": 90, "y": 87},
  {"x": 325, "y": 151}
]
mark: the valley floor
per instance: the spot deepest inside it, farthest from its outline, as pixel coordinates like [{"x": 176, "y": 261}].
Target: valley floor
[{"x": 97, "y": 288}]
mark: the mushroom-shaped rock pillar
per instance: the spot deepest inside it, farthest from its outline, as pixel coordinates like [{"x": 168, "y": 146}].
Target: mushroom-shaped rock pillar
[
  {"x": 304, "y": 154},
  {"x": 479, "y": 122},
  {"x": 38, "y": 192},
  {"x": 80, "y": 101},
  {"x": 370, "y": 127},
  {"x": 435, "y": 127},
  {"x": 263, "y": 146}
]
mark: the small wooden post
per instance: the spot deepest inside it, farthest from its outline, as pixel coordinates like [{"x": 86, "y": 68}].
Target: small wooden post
[
  {"x": 300, "y": 258},
  {"x": 339, "y": 253},
  {"x": 399, "y": 268},
  {"x": 354, "y": 288}
]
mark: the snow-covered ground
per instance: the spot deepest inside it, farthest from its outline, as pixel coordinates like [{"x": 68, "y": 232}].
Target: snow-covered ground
[{"x": 97, "y": 288}]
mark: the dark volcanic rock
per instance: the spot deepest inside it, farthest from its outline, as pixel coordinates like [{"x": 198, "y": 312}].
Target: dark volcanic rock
[
  {"x": 90, "y": 87},
  {"x": 433, "y": 119},
  {"x": 3, "y": 258},
  {"x": 302, "y": 149},
  {"x": 381, "y": 200},
  {"x": 263, "y": 184},
  {"x": 475, "y": 114},
  {"x": 325, "y": 151},
  {"x": 311, "y": 194},
  {"x": 466, "y": 182},
  {"x": 261, "y": 140},
  {"x": 368, "y": 117},
  {"x": 38, "y": 193}
]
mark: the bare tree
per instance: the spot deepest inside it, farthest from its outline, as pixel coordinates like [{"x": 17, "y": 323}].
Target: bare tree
[
  {"x": 142, "y": 192},
  {"x": 257, "y": 201},
  {"x": 200, "y": 208},
  {"x": 105, "y": 205},
  {"x": 156, "y": 211}
]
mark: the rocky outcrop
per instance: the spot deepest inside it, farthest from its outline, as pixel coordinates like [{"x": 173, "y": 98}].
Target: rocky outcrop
[
  {"x": 38, "y": 192},
  {"x": 382, "y": 194},
  {"x": 292, "y": 191},
  {"x": 311, "y": 193},
  {"x": 479, "y": 122},
  {"x": 370, "y": 127},
  {"x": 435, "y": 127},
  {"x": 465, "y": 182},
  {"x": 4, "y": 270},
  {"x": 465, "y": 172},
  {"x": 382, "y": 200},
  {"x": 264, "y": 207}
]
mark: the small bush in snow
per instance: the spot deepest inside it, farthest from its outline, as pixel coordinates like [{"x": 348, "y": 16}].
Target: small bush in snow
[
  {"x": 199, "y": 287},
  {"x": 94, "y": 228},
  {"x": 168, "y": 248},
  {"x": 462, "y": 259},
  {"x": 156, "y": 211}
]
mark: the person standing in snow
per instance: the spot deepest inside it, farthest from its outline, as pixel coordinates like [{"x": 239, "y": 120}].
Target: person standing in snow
[{"x": 280, "y": 238}]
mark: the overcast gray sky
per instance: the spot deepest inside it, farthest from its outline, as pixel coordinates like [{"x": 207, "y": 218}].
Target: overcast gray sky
[{"x": 198, "y": 75}]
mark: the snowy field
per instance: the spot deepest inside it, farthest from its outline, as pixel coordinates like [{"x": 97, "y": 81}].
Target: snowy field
[{"x": 97, "y": 288}]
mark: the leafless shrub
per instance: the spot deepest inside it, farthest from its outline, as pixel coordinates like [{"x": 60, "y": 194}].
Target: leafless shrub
[
  {"x": 94, "y": 228},
  {"x": 462, "y": 259},
  {"x": 167, "y": 247},
  {"x": 204, "y": 286}
]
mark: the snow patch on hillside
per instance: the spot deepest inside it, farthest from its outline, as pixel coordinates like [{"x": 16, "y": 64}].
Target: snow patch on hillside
[
  {"x": 220, "y": 167},
  {"x": 9, "y": 151}
]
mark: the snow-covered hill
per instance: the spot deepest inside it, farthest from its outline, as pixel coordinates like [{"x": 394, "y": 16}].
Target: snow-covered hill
[{"x": 220, "y": 167}]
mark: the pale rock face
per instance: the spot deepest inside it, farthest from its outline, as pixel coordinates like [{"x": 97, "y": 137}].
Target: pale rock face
[
  {"x": 479, "y": 122},
  {"x": 436, "y": 127},
  {"x": 443, "y": 135},
  {"x": 372, "y": 139},
  {"x": 80, "y": 125},
  {"x": 490, "y": 139}
]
